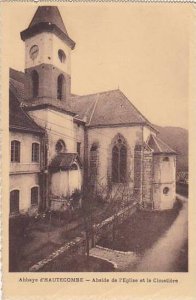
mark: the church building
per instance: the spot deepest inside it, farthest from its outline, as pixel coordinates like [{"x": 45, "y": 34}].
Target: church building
[{"x": 60, "y": 142}]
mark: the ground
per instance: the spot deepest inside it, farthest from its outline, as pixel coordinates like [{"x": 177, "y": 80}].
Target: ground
[
  {"x": 150, "y": 241},
  {"x": 77, "y": 263},
  {"x": 32, "y": 240},
  {"x": 142, "y": 230},
  {"x": 166, "y": 250}
]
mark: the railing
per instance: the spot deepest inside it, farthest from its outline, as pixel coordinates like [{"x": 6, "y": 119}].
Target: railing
[{"x": 17, "y": 168}]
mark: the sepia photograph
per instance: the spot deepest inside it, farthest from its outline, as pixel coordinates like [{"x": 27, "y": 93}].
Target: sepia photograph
[{"x": 98, "y": 137}]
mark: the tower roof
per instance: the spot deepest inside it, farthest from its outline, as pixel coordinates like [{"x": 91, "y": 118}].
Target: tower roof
[
  {"x": 48, "y": 14},
  {"x": 158, "y": 146},
  {"x": 47, "y": 18}
]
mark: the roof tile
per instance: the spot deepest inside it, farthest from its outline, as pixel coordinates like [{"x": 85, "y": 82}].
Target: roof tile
[{"x": 107, "y": 108}]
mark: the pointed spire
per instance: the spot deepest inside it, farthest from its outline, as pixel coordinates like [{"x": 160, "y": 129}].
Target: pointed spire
[
  {"x": 48, "y": 14},
  {"x": 47, "y": 18}
]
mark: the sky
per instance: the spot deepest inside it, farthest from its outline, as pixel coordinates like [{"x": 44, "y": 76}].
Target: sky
[{"x": 140, "y": 48}]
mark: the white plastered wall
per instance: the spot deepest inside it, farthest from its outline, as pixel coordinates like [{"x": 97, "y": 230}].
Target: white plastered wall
[
  {"x": 23, "y": 183},
  {"x": 164, "y": 177},
  {"x": 48, "y": 44},
  {"x": 59, "y": 125}
]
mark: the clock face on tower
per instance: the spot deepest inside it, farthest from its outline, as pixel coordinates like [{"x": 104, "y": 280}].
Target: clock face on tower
[{"x": 34, "y": 51}]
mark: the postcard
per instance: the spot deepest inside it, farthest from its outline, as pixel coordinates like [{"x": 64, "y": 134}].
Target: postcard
[{"x": 98, "y": 150}]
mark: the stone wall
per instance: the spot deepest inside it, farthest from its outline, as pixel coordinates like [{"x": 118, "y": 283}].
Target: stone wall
[
  {"x": 48, "y": 75},
  {"x": 147, "y": 180},
  {"x": 106, "y": 227},
  {"x": 138, "y": 172}
]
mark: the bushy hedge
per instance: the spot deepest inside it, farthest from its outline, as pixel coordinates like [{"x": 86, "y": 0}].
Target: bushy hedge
[{"x": 18, "y": 227}]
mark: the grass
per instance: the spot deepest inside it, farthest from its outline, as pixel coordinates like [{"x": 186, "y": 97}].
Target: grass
[
  {"x": 142, "y": 230},
  {"x": 77, "y": 263}
]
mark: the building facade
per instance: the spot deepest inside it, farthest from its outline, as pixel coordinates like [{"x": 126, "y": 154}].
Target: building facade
[{"x": 60, "y": 142}]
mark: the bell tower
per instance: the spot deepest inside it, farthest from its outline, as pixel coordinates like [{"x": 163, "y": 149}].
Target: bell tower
[{"x": 47, "y": 58}]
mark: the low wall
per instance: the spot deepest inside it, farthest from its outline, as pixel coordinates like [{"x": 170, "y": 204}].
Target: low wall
[
  {"x": 106, "y": 227},
  {"x": 78, "y": 244}
]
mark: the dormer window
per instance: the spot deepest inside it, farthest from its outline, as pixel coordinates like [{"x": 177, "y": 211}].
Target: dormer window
[{"x": 62, "y": 56}]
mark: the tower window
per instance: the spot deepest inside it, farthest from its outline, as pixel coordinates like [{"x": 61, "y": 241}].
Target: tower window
[
  {"x": 34, "y": 195},
  {"x": 35, "y": 152},
  {"x": 119, "y": 162},
  {"x": 15, "y": 151},
  {"x": 14, "y": 201},
  {"x": 166, "y": 191},
  {"x": 60, "y": 146},
  {"x": 60, "y": 85},
  {"x": 35, "y": 83},
  {"x": 61, "y": 55}
]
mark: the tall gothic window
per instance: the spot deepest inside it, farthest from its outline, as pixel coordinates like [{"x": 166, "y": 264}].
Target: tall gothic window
[
  {"x": 35, "y": 83},
  {"x": 119, "y": 161},
  {"x": 60, "y": 85},
  {"x": 93, "y": 162}
]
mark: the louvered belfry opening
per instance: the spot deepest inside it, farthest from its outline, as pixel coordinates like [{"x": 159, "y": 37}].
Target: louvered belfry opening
[{"x": 35, "y": 84}]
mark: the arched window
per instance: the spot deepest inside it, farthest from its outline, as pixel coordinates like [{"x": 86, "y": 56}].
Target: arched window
[
  {"x": 14, "y": 201},
  {"x": 35, "y": 83},
  {"x": 119, "y": 161},
  {"x": 60, "y": 146},
  {"x": 35, "y": 195},
  {"x": 15, "y": 151},
  {"x": 35, "y": 152},
  {"x": 60, "y": 86},
  {"x": 61, "y": 56}
]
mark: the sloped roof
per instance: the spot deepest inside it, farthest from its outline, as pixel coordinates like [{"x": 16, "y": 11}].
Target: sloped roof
[
  {"x": 107, "y": 108},
  {"x": 16, "y": 82},
  {"x": 158, "y": 146},
  {"x": 18, "y": 118},
  {"x": 48, "y": 14},
  {"x": 64, "y": 161},
  {"x": 47, "y": 18},
  {"x": 96, "y": 110}
]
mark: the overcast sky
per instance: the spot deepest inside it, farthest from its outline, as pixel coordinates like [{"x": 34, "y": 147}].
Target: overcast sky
[{"x": 140, "y": 48}]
